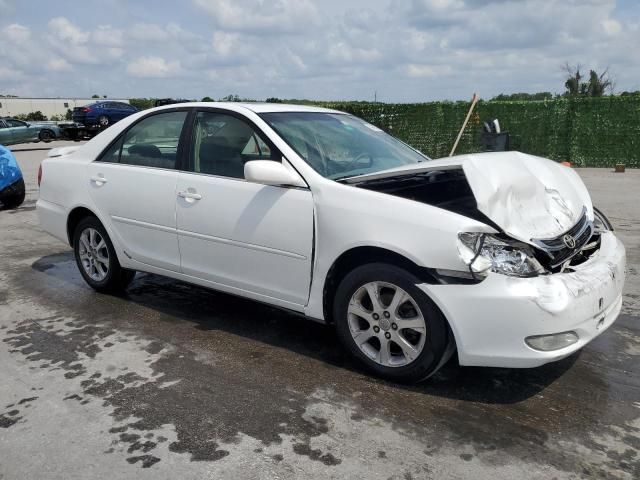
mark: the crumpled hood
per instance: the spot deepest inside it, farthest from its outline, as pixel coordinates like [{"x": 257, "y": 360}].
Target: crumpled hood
[{"x": 528, "y": 197}]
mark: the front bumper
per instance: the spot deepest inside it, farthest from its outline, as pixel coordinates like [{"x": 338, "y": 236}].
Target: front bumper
[{"x": 490, "y": 320}]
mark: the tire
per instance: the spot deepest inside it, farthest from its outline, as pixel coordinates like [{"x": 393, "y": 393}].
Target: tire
[
  {"x": 13, "y": 196},
  {"x": 104, "y": 121},
  {"x": 99, "y": 264},
  {"x": 46, "y": 136},
  {"x": 423, "y": 351}
]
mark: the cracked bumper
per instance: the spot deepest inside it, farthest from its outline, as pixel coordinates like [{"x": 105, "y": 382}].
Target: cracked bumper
[{"x": 491, "y": 320}]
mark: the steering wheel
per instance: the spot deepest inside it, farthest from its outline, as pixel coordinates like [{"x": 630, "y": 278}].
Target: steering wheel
[{"x": 356, "y": 160}]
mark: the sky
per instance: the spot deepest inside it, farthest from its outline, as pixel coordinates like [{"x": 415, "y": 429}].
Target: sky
[{"x": 399, "y": 50}]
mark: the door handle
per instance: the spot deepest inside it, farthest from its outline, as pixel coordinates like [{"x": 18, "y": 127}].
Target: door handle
[
  {"x": 190, "y": 195},
  {"x": 99, "y": 180}
]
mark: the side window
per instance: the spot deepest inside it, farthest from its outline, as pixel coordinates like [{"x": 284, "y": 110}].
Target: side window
[
  {"x": 15, "y": 123},
  {"x": 112, "y": 154},
  {"x": 222, "y": 144},
  {"x": 152, "y": 142}
]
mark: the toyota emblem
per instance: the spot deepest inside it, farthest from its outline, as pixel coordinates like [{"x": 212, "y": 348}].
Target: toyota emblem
[{"x": 569, "y": 241}]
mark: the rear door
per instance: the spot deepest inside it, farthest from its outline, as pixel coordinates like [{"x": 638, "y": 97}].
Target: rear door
[
  {"x": 133, "y": 185},
  {"x": 249, "y": 237}
]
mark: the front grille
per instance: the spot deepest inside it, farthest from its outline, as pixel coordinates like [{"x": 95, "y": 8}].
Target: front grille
[{"x": 556, "y": 249}]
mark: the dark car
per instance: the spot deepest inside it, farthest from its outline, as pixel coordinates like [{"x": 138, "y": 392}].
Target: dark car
[
  {"x": 102, "y": 114},
  {"x": 11, "y": 181}
]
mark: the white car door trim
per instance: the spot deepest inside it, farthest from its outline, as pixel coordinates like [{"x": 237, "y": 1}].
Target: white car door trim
[
  {"x": 140, "y": 223},
  {"x": 251, "y": 246}
]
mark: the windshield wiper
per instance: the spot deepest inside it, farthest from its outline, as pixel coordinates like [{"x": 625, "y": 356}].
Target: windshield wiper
[{"x": 407, "y": 177}]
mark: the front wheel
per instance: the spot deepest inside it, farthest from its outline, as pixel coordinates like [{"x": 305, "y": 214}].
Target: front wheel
[
  {"x": 389, "y": 324},
  {"x": 96, "y": 258}
]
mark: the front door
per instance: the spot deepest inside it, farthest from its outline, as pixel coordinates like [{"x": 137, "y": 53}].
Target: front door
[
  {"x": 251, "y": 238},
  {"x": 133, "y": 184}
]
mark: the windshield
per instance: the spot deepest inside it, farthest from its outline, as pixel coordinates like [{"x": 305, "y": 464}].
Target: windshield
[{"x": 339, "y": 146}]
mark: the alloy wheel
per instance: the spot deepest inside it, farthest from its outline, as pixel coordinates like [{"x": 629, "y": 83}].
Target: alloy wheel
[
  {"x": 386, "y": 324},
  {"x": 94, "y": 254}
]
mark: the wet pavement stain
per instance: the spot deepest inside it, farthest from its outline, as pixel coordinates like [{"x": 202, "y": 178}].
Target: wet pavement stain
[{"x": 265, "y": 392}]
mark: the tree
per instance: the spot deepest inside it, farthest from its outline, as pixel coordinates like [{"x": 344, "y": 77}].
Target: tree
[
  {"x": 273, "y": 100},
  {"x": 36, "y": 116},
  {"x": 95, "y": 96},
  {"x": 69, "y": 114},
  {"x": 231, "y": 98},
  {"x": 596, "y": 86},
  {"x": 207, "y": 99},
  {"x": 142, "y": 103},
  {"x": 524, "y": 96}
]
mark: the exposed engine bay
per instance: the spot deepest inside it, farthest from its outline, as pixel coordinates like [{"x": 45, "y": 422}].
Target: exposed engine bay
[{"x": 449, "y": 189}]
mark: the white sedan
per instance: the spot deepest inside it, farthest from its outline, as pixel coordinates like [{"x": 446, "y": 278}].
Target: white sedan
[{"x": 498, "y": 257}]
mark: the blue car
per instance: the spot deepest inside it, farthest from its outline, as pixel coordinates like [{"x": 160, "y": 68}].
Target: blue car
[
  {"x": 11, "y": 181},
  {"x": 102, "y": 114}
]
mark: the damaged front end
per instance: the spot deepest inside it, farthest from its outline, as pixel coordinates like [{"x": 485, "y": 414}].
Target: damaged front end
[
  {"x": 541, "y": 211},
  {"x": 543, "y": 281},
  {"x": 502, "y": 254}
]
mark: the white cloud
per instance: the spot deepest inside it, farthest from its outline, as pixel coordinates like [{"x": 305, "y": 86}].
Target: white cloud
[
  {"x": 414, "y": 70},
  {"x": 255, "y": 16},
  {"x": 16, "y": 33},
  {"x": 407, "y": 50},
  {"x": 9, "y": 73},
  {"x": 225, "y": 44},
  {"x": 108, "y": 36},
  {"x": 59, "y": 65},
  {"x": 611, "y": 26},
  {"x": 148, "y": 32},
  {"x": 66, "y": 31},
  {"x": 153, "y": 67}
]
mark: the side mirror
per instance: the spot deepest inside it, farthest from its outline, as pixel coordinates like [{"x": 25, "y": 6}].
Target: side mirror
[{"x": 268, "y": 172}]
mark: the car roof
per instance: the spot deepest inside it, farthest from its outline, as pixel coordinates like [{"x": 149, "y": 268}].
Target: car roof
[{"x": 257, "y": 107}]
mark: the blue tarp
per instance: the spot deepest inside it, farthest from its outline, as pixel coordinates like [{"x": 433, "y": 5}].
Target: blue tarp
[{"x": 9, "y": 169}]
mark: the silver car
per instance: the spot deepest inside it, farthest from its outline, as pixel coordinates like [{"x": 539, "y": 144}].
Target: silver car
[{"x": 14, "y": 131}]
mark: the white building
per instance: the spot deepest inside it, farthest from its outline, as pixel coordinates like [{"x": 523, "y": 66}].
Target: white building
[{"x": 48, "y": 106}]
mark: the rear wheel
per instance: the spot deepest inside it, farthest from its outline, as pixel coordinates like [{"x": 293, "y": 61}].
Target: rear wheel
[
  {"x": 96, "y": 258},
  {"x": 104, "y": 121},
  {"x": 389, "y": 324},
  {"x": 46, "y": 136}
]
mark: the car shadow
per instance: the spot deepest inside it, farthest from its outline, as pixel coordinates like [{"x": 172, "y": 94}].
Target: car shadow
[{"x": 209, "y": 310}]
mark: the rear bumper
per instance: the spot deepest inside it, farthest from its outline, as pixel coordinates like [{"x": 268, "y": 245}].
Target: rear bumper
[
  {"x": 491, "y": 320},
  {"x": 53, "y": 219}
]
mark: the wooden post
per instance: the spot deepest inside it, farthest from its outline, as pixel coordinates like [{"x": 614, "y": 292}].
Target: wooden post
[{"x": 474, "y": 100}]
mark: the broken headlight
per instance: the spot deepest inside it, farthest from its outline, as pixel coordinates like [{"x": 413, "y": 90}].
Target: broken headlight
[
  {"x": 484, "y": 252},
  {"x": 600, "y": 222}
]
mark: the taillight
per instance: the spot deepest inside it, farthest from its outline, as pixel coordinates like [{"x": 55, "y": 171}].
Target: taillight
[
  {"x": 39, "y": 174},
  {"x": 86, "y": 110}
]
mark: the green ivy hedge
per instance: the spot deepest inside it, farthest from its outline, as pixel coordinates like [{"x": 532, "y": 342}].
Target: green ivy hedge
[{"x": 588, "y": 132}]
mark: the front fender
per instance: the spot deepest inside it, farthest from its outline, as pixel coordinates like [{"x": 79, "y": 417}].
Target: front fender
[{"x": 348, "y": 217}]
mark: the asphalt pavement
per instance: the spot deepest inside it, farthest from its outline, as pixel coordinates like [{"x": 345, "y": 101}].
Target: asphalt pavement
[{"x": 175, "y": 381}]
